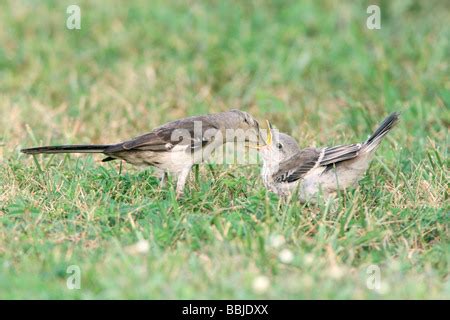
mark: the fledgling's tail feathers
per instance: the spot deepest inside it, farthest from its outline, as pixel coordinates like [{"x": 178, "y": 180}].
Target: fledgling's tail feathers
[
  {"x": 83, "y": 148},
  {"x": 386, "y": 126}
]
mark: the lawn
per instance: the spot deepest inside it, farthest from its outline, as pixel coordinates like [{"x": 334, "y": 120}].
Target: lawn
[{"x": 312, "y": 67}]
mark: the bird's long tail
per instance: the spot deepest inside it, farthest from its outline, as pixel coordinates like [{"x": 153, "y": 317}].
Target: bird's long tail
[
  {"x": 83, "y": 148},
  {"x": 386, "y": 126}
]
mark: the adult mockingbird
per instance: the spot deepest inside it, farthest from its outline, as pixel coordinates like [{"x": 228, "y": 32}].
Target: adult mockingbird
[
  {"x": 314, "y": 171},
  {"x": 175, "y": 146}
]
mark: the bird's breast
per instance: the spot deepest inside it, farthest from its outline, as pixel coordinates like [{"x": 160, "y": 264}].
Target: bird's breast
[{"x": 282, "y": 189}]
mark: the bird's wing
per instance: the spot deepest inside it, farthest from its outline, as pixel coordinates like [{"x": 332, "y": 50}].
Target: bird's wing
[
  {"x": 297, "y": 166},
  {"x": 333, "y": 155},
  {"x": 193, "y": 132}
]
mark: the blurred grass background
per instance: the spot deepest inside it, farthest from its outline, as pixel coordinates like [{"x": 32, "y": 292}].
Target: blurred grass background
[{"x": 312, "y": 67}]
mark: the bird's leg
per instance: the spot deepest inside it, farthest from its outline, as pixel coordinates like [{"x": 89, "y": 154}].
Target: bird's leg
[
  {"x": 163, "y": 179},
  {"x": 162, "y": 176},
  {"x": 283, "y": 199},
  {"x": 181, "y": 181}
]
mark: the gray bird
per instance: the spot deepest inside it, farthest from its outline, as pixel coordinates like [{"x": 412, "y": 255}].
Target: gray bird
[
  {"x": 313, "y": 171},
  {"x": 175, "y": 146}
]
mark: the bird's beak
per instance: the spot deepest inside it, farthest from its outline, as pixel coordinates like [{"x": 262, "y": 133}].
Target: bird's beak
[
  {"x": 269, "y": 133},
  {"x": 268, "y": 142}
]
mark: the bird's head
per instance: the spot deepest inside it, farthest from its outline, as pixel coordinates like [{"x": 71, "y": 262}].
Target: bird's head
[
  {"x": 243, "y": 124},
  {"x": 243, "y": 120},
  {"x": 277, "y": 146}
]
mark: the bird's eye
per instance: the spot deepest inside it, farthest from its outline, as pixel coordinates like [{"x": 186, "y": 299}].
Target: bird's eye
[
  {"x": 245, "y": 120},
  {"x": 279, "y": 146}
]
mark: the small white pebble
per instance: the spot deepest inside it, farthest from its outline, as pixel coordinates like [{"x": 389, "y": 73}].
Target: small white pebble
[
  {"x": 261, "y": 284},
  {"x": 286, "y": 256},
  {"x": 140, "y": 247},
  {"x": 276, "y": 241}
]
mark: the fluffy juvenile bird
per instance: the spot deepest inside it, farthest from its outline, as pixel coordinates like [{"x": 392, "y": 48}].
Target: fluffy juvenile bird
[
  {"x": 313, "y": 171},
  {"x": 175, "y": 146}
]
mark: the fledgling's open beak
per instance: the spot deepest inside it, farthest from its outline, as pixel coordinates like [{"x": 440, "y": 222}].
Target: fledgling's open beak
[
  {"x": 269, "y": 133},
  {"x": 267, "y": 142}
]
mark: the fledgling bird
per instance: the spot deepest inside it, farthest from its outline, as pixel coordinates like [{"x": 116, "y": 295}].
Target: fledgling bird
[
  {"x": 313, "y": 171},
  {"x": 173, "y": 147}
]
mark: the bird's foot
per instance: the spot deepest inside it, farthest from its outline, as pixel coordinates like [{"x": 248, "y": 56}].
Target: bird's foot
[{"x": 179, "y": 195}]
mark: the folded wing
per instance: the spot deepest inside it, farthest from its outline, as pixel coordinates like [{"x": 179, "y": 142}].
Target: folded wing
[
  {"x": 297, "y": 166},
  {"x": 333, "y": 155},
  {"x": 302, "y": 162},
  {"x": 193, "y": 132}
]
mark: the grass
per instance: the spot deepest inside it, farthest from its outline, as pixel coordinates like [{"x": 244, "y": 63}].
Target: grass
[{"x": 313, "y": 68}]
